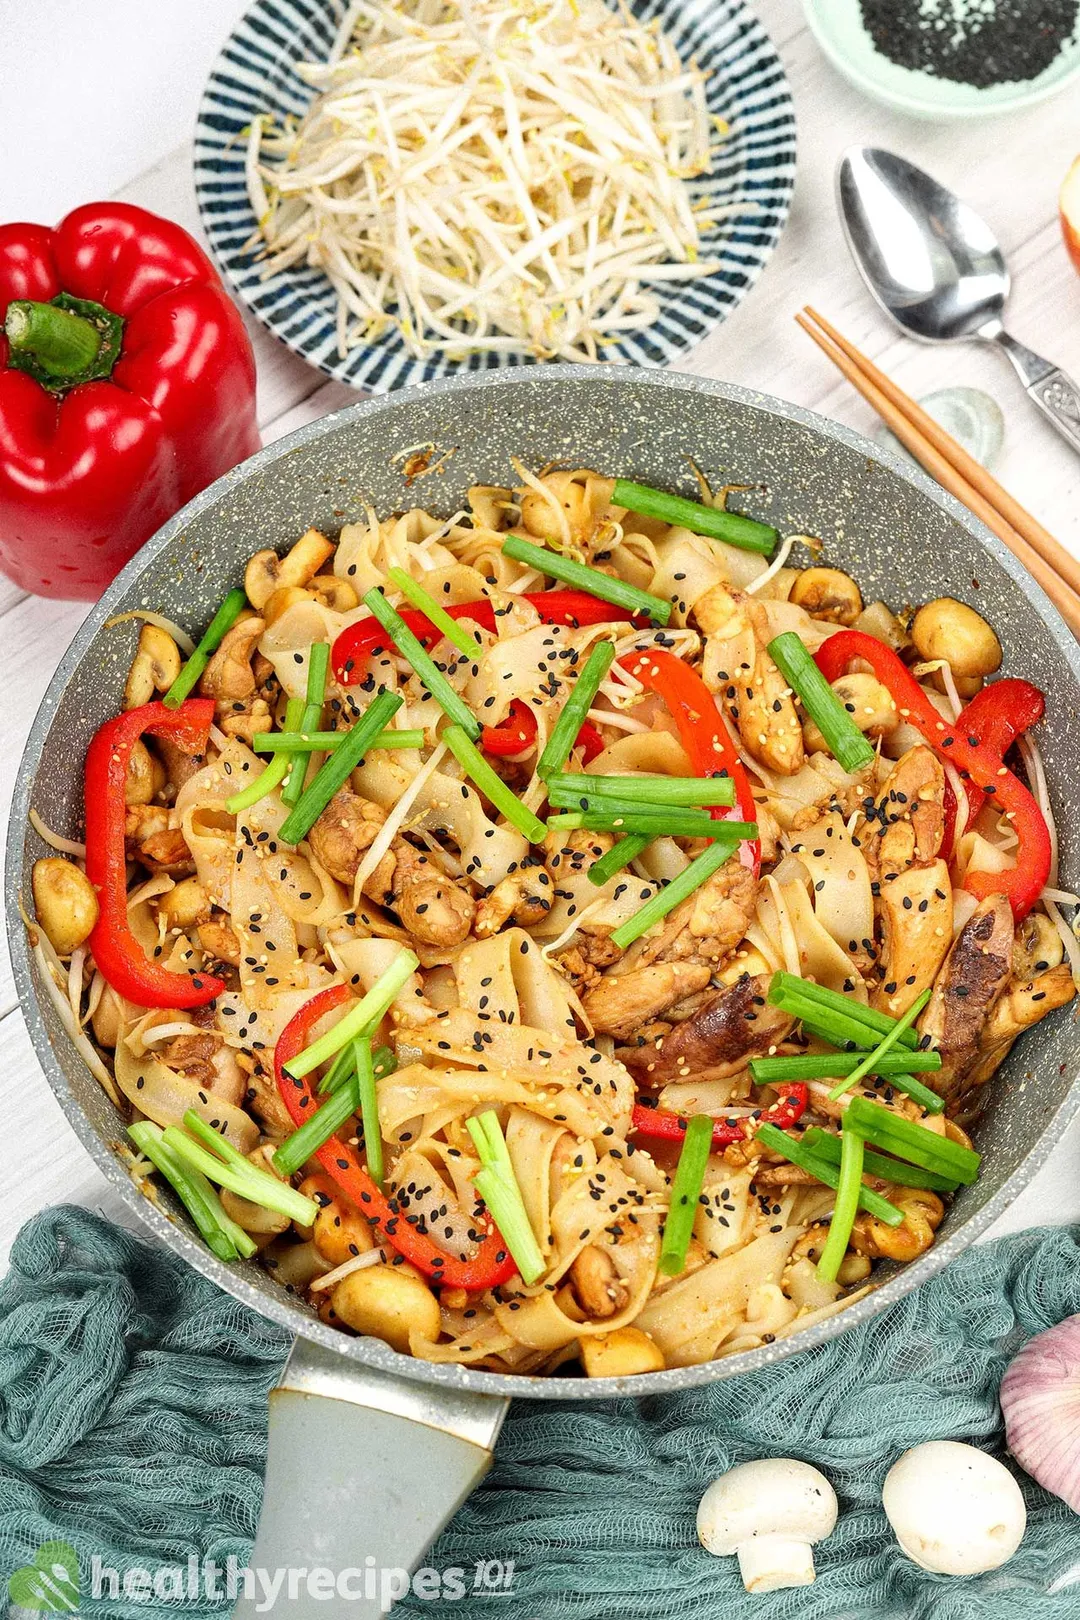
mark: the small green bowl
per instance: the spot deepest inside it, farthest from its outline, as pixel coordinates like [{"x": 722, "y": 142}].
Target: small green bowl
[{"x": 838, "y": 28}]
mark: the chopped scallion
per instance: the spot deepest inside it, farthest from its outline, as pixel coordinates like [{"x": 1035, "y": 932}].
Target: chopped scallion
[
  {"x": 731, "y": 527},
  {"x": 369, "y": 1108},
  {"x": 877, "y": 1164},
  {"x": 564, "y": 733},
  {"x": 686, "y": 1188},
  {"x": 582, "y": 578},
  {"x": 681, "y": 790},
  {"x": 216, "y": 631},
  {"x": 310, "y": 720},
  {"x": 274, "y": 774},
  {"x": 842, "y": 736},
  {"x": 796, "y": 996},
  {"x": 497, "y": 1185},
  {"x": 408, "y": 645},
  {"x": 771, "y": 1071},
  {"x": 324, "y": 1123},
  {"x": 221, "y": 1234},
  {"x": 492, "y": 785},
  {"x": 335, "y": 771},
  {"x": 295, "y": 741},
  {"x": 678, "y": 890},
  {"x": 462, "y": 638},
  {"x": 200, "y": 1145},
  {"x": 362, "y": 1019},
  {"x": 846, "y": 1206},
  {"x": 617, "y": 857},
  {"x": 885, "y": 1045},
  {"x": 663, "y": 823},
  {"x": 915, "y": 1143},
  {"x": 795, "y": 1150}
]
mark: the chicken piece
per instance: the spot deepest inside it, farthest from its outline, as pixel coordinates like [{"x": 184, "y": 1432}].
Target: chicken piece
[
  {"x": 347, "y": 827},
  {"x": 524, "y": 895},
  {"x": 909, "y": 815},
  {"x": 621, "y": 1002},
  {"x": 714, "y": 920},
  {"x": 180, "y": 767},
  {"x": 244, "y": 719},
  {"x": 914, "y": 910},
  {"x": 1023, "y": 1004},
  {"x": 923, "y": 1214},
  {"x": 156, "y": 841},
  {"x": 263, "y": 1099},
  {"x": 735, "y": 1024},
  {"x": 209, "y": 1062},
  {"x": 975, "y": 973},
  {"x": 574, "y": 851},
  {"x": 229, "y": 675},
  {"x": 218, "y": 940},
  {"x": 583, "y": 961},
  {"x": 434, "y": 909},
  {"x": 752, "y": 689}
]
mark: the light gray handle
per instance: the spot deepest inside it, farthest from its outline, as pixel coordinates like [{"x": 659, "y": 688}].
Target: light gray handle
[
  {"x": 1050, "y": 388},
  {"x": 363, "y": 1471}
]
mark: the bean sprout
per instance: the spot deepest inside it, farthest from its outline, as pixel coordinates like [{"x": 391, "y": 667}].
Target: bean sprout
[{"x": 491, "y": 177}]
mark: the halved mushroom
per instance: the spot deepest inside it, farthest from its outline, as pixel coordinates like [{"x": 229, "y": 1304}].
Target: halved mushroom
[
  {"x": 828, "y": 593},
  {"x": 153, "y": 669},
  {"x": 267, "y": 572}
]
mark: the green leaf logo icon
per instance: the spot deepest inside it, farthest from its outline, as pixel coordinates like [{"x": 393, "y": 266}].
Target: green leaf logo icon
[{"x": 50, "y": 1583}]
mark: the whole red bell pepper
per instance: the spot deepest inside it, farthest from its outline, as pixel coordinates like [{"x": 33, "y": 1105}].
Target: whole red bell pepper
[
  {"x": 977, "y": 762},
  {"x": 127, "y": 384},
  {"x": 667, "y": 1127},
  {"x": 702, "y": 732},
  {"x": 119, "y": 956},
  {"x": 492, "y": 1263}
]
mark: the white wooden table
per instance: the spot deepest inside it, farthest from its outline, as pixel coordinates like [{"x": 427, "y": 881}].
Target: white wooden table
[{"x": 100, "y": 100}]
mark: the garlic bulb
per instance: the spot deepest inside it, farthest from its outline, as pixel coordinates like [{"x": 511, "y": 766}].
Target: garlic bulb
[{"x": 1040, "y": 1402}]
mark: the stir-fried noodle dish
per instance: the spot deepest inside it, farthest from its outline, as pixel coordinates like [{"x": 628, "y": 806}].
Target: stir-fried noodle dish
[{"x": 567, "y": 935}]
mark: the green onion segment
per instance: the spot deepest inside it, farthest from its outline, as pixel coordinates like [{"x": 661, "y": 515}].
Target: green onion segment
[
  {"x": 731, "y": 527},
  {"x": 221, "y": 1234},
  {"x": 362, "y": 1019},
  {"x": 497, "y": 1185},
  {"x": 793, "y": 1149},
  {"x": 827, "y": 1143},
  {"x": 318, "y": 668},
  {"x": 222, "y": 622},
  {"x": 293, "y": 740},
  {"x": 681, "y": 790},
  {"x": 582, "y": 578},
  {"x": 369, "y": 1108},
  {"x": 846, "y": 1207},
  {"x": 686, "y": 1188},
  {"x": 324, "y": 1123},
  {"x": 564, "y": 733},
  {"x": 463, "y": 640},
  {"x": 678, "y": 890},
  {"x": 827, "y": 1009},
  {"x": 882, "y": 1049},
  {"x": 842, "y": 736},
  {"x": 335, "y": 771},
  {"x": 915, "y": 1143},
  {"x": 431, "y": 677},
  {"x": 617, "y": 857},
  {"x": 275, "y": 773},
  {"x": 200, "y": 1145},
  {"x": 492, "y": 785}
]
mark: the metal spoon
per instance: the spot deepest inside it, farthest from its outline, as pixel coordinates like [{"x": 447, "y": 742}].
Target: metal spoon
[{"x": 937, "y": 269}]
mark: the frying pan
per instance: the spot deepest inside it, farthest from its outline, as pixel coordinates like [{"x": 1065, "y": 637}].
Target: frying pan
[{"x": 399, "y": 1443}]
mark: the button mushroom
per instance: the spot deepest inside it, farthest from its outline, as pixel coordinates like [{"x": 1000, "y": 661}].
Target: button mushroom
[
  {"x": 954, "y": 1509},
  {"x": 771, "y": 1513}
]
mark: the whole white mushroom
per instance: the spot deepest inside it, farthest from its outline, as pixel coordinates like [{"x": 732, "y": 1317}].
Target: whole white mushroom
[
  {"x": 770, "y": 1513},
  {"x": 954, "y": 1509}
]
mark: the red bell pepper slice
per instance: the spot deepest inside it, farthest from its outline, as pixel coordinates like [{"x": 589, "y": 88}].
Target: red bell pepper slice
[
  {"x": 702, "y": 732},
  {"x": 360, "y": 641},
  {"x": 790, "y": 1106},
  {"x": 97, "y": 456},
  {"x": 122, "y": 961},
  {"x": 491, "y": 1265},
  {"x": 976, "y": 762},
  {"x": 517, "y": 734}
]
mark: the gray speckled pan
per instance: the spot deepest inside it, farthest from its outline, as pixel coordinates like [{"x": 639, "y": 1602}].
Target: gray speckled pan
[{"x": 890, "y": 526}]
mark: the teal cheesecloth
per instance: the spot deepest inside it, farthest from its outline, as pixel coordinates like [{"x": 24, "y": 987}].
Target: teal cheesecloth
[{"x": 133, "y": 1430}]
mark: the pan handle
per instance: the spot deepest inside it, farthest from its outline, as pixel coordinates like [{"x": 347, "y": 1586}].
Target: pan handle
[{"x": 363, "y": 1471}]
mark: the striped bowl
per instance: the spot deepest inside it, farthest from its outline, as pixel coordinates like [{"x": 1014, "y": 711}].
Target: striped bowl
[{"x": 755, "y": 171}]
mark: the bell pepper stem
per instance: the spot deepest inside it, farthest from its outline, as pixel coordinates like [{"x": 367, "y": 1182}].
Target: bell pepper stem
[{"x": 63, "y": 343}]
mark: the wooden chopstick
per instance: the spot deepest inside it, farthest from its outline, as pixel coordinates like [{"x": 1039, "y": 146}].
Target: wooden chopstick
[
  {"x": 942, "y": 467},
  {"x": 1051, "y": 550}
]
